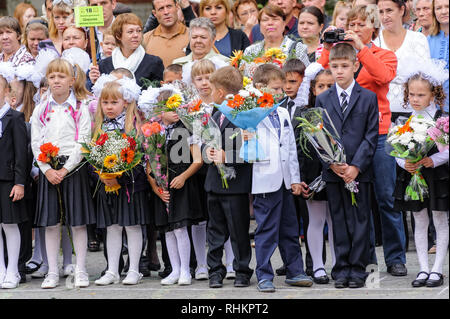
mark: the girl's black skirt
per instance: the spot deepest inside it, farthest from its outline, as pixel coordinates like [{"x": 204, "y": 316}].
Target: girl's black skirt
[{"x": 11, "y": 212}]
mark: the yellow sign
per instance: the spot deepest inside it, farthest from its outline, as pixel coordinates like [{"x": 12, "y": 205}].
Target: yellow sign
[{"x": 89, "y": 16}]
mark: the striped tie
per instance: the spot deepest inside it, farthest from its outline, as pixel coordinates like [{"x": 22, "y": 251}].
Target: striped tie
[{"x": 344, "y": 103}]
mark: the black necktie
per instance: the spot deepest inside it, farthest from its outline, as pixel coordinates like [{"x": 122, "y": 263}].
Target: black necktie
[
  {"x": 289, "y": 108},
  {"x": 344, "y": 102}
]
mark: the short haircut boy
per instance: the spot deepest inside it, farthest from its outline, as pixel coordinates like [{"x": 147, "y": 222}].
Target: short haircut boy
[
  {"x": 123, "y": 72},
  {"x": 227, "y": 78},
  {"x": 343, "y": 51},
  {"x": 294, "y": 66},
  {"x": 266, "y": 73},
  {"x": 174, "y": 68},
  {"x": 201, "y": 67}
]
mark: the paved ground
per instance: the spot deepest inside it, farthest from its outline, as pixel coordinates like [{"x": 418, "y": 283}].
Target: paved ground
[{"x": 383, "y": 286}]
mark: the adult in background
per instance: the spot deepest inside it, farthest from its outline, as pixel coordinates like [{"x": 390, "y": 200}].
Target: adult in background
[
  {"x": 403, "y": 43},
  {"x": 61, "y": 17},
  {"x": 186, "y": 12},
  {"x": 127, "y": 30},
  {"x": 422, "y": 10},
  {"x": 35, "y": 32},
  {"x": 11, "y": 48},
  {"x": 246, "y": 14},
  {"x": 310, "y": 24},
  {"x": 321, "y": 5},
  {"x": 291, "y": 22},
  {"x": 108, "y": 18},
  {"x": 24, "y": 12},
  {"x": 170, "y": 37},
  {"x": 227, "y": 39},
  {"x": 438, "y": 38},
  {"x": 272, "y": 25}
]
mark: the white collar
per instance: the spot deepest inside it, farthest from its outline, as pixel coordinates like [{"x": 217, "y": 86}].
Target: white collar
[
  {"x": 348, "y": 90},
  {"x": 71, "y": 100},
  {"x": 428, "y": 112},
  {"x": 4, "y": 109}
]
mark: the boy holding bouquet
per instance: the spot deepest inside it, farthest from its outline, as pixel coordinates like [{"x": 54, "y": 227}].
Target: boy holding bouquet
[
  {"x": 228, "y": 208},
  {"x": 354, "y": 113}
]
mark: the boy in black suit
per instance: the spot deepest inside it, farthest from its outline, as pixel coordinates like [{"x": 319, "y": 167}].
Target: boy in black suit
[
  {"x": 354, "y": 112},
  {"x": 13, "y": 177},
  {"x": 228, "y": 208}
]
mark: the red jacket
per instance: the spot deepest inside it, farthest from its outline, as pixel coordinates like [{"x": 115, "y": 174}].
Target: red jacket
[{"x": 379, "y": 69}]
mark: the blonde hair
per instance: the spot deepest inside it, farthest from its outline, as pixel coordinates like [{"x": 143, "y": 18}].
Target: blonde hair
[
  {"x": 225, "y": 3},
  {"x": 111, "y": 91},
  {"x": 201, "y": 67},
  {"x": 61, "y": 8},
  {"x": 435, "y": 25},
  {"x": 338, "y": 8},
  {"x": 368, "y": 12},
  {"x": 228, "y": 78},
  {"x": 63, "y": 66}
]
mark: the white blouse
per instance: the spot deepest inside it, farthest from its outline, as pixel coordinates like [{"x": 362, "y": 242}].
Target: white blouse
[
  {"x": 439, "y": 158},
  {"x": 58, "y": 127},
  {"x": 415, "y": 44}
]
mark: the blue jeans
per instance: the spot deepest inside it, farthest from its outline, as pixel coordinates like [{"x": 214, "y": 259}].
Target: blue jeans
[{"x": 393, "y": 231}]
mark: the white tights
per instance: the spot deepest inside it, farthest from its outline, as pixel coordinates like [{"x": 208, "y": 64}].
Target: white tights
[
  {"x": 52, "y": 243},
  {"x": 179, "y": 250},
  {"x": 318, "y": 213},
  {"x": 440, "y": 220},
  {"x": 114, "y": 246},
  {"x": 13, "y": 245}
]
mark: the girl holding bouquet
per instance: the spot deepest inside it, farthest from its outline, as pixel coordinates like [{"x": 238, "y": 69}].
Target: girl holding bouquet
[
  {"x": 424, "y": 92},
  {"x": 128, "y": 206},
  {"x": 59, "y": 124},
  {"x": 179, "y": 205}
]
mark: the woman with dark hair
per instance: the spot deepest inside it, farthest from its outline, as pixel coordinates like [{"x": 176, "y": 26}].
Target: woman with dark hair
[
  {"x": 11, "y": 49},
  {"x": 310, "y": 24},
  {"x": 129, "y": 54},
  {"x": 403, "y": 43},
  {"x": 227, "y": 39}
]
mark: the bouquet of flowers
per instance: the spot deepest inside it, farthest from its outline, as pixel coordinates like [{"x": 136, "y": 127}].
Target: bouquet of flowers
[
  {"x": 325, "y": 141},
  {"x": 412, "y": 142},
  {"x": 112, "y": 154},
  {"x": 439, "y": 133},
  {"x": 272, "y": 55},
  {"x": 246, "y": 110}
]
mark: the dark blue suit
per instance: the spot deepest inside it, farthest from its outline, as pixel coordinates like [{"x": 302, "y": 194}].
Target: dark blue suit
[{"x": 358, "y": 129}]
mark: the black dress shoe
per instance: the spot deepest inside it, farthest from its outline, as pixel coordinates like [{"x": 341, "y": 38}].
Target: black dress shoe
[
  {"x": 397, "y": 270},
  {"x": 23, "y": 277},
  {"x": 356, "y": 283},
  {"x": 309, "y": 272},
  {"x": 434, "y": 282},
  {"x": 154, "y": 267},
  {"x": 215, "y": 281},
  {"x": 341, "y": 283},
  {"x": 242, "y": 282},
  {"x": 321, "y": 280},
  {"x": 166, "y": 272},
  {"x": 281, "y": 271},
  {"x": 420, "y": 282}
]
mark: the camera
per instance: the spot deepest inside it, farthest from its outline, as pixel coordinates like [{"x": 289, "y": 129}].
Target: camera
[{"x": 334, "y": 36}]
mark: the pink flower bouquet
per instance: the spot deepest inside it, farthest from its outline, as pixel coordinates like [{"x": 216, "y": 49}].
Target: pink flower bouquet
[{"x": 439, "y": 133}]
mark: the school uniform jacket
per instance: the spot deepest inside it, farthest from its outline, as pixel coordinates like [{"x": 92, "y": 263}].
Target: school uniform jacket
[{"x": 358, "y": 129}]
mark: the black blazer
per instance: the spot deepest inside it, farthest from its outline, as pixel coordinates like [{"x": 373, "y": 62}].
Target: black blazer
[
  {"x": 242, "y": 183},
  {"x": 13, "y": 145},
  {"x": 151, "y": 68},
  {"x": 358, "y": 129},
  {"x": 238, "y": 39}
]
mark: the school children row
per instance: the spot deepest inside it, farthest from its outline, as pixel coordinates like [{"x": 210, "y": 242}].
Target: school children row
[{"x": 196, "y": 197}]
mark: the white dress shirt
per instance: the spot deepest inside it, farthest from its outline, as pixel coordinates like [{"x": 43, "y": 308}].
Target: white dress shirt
[
  {"x": 348, "y": 90},
  {"x": 60, "y": 130}
]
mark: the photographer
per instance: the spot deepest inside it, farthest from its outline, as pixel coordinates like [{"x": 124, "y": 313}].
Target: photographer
[{"x": 378, "y": 68}]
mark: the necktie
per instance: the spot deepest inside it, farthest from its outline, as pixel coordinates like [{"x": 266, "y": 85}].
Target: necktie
[
  {"x": 344, "y": 102},
  {"x": 275, "y": 122},
  {"x": 222, "y": 117},
  {"x": 290, "y": 106}
]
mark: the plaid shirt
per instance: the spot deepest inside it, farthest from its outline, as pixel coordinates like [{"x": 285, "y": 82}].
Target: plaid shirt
[{"x": 22, "y": 56}]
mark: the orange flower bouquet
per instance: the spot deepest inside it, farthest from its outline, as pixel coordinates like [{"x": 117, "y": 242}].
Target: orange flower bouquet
[{"x": 112, "y": 154}]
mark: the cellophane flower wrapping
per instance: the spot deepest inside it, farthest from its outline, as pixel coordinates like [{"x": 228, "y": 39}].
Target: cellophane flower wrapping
[
  {"x": 246, "y": 110},
  {"x": 439, "y": 133},
  {"x": 112, "y": 154},
  {"x": 319, "y": 131},
  {"x": 412, "y": 142}
]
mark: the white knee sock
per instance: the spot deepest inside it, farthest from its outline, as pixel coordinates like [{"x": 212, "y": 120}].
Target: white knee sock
[
  {"x": 184, "y": 250},
  {"x": 13, "y": 244},
  {"x": 172, "y": 250},
  {"x": 66, "y": 245},
  {"x": 330, "y": 236},
  {"x": 229, "y": 256},
  {"x": 317, "y": 212},
  {"x": 134, "y": 239},
  {"x": 52, "y": 241},
  {"x": 80, "y": 240},
  {"x": 421, "y": 240},
  {"x": 114, "y": 247},
  {"x": 44, "y": 266},
  {"x": 37, "y": 256},
  {"x": 199, "y": 241},
  {"x": 440, "y": 220}
]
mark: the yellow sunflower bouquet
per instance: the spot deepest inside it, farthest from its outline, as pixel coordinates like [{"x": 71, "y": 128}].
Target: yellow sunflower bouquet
[{"x": 112, "y": 154}]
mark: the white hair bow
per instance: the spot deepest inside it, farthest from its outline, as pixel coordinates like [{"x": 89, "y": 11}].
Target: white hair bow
[{"x": 128, "y": 88}]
